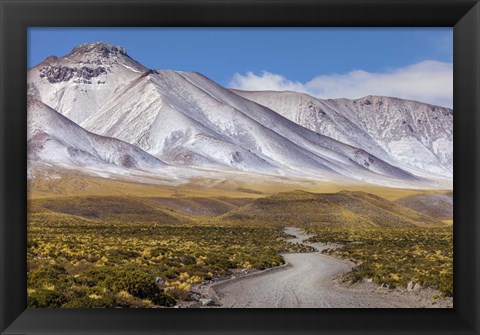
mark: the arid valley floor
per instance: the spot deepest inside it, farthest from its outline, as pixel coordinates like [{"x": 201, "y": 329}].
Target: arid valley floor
[{"x": 96, "y": 242}]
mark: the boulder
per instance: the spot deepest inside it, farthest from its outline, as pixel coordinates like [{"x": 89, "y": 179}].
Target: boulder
[
  {"x": 195, "y": 296},
  {"x": 410, "y": 285},
  {"x": 207, "y": 302}
]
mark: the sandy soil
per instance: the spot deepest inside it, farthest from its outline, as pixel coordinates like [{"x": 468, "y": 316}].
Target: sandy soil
[{"x": 311, "y": 280}]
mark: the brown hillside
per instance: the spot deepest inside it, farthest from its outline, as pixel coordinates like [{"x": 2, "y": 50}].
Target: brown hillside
[
  {"x": 344, "y": 208},
  {"x": 435, "y": 205},
  {"x": 198, "y": 206},
  {"x": 104, "y": 208}
]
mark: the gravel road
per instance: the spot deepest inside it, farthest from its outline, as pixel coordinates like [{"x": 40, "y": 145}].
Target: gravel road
[{"x": 307, "y": 282}]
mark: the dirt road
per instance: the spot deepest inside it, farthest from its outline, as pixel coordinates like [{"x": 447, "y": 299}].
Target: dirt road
[{"x": 307, "y": 282}]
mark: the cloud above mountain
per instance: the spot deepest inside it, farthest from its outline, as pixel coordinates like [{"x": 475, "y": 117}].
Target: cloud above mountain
[{"x": 427, "y": 81}]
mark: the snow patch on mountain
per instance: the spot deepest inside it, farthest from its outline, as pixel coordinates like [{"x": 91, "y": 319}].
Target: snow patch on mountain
[
  {"x": 54, "y": 138},
  {"x": 409, "y": 134}
]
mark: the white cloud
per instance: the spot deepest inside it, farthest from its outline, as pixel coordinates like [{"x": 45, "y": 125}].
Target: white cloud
[
  {"x": 427, "y": 81},
  {"x": 266, "y": 81}
]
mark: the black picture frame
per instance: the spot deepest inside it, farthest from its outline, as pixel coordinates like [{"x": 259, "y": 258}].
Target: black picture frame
[{"x": 17, "y": 15}]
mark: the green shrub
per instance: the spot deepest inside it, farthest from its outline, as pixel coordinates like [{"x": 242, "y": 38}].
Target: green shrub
[
  {"x": 46, "y": 299},
  {"x": 446, "y": 284},
  {"x": 50, "y": 275},
  {"x": 86, "y": 302},
  {"x": 142, "y": 286}
]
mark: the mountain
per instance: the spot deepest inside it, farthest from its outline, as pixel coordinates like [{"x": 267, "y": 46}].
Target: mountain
[
  {"x": 53, "y": 138},
  {"x": 345, "y": 208},
  {"x": 413, "y": 135},
  {"x": 186, "y": 119}
]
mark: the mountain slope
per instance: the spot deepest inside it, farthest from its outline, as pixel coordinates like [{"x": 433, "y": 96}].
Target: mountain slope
[
  {"x": 438, "y": 205},
  {"x": 185, "y": 118},
  {"x": 406, "y": 133},
  {"x": 104, "y": 208},
  {"x": 344, "y": 208},
  {"x": 54, "y": 138}
]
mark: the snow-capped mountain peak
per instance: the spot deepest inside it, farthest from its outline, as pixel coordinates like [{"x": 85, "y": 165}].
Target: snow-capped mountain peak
[
  {"x": 98, "y": 50},
  {"x": 186, "y": 119},
  {"x": 77, "y": 84}
]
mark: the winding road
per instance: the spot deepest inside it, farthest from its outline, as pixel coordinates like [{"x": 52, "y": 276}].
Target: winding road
[{"x": 307, "y": 281}]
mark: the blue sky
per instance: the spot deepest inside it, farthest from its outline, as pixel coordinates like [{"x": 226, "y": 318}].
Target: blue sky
[{"x": 324, "y": 62}]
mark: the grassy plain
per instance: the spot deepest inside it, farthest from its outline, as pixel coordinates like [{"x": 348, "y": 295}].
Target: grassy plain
[{"x": 96, "y": 255}]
